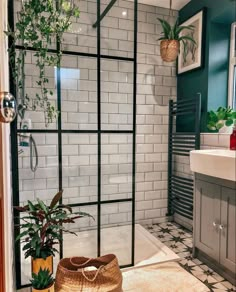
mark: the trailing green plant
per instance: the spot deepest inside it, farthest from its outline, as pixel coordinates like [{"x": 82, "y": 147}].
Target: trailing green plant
[
  {"x": 173, "y": 32},
  {"x": 224, "y": 116},
  {"x": 40, "y": 23},
  {"x": 42, "y": 280},
  {"x": 41, "y": 226}
]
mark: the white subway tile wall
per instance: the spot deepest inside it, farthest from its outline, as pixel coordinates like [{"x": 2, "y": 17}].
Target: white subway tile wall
[
  {"x": 156, "y": 84},
  {"x": 215, "y": 141}
]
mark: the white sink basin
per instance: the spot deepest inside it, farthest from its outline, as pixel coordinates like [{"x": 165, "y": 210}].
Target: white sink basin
[{"x": 215, "y": 162}]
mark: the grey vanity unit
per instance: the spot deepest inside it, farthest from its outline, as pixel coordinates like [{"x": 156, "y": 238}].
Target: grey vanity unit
[{"x": 215, "y": 224}]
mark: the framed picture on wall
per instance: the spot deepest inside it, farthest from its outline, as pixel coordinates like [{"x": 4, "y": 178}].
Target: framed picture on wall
[{"x": 191, "y": 56}]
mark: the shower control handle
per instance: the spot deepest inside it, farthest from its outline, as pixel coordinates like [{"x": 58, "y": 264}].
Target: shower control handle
[{"x": 214, "y": 224}]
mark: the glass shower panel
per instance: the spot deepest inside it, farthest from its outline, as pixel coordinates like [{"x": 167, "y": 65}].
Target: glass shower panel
[
  {"x": 117, "y": 29},
  {"x": 85, "y": 243},
  {"x": 79, "y": 171},
  {"x": 35, "y": 113},
  {"x": 116, "y": 166},
  {"x": 116, "y": 95},
  {"x": 43, "y": 181},
  {"x": 79, "y": 93},
  {"x": 82, "y": 37},
  {"x": 116, "y": 232}
]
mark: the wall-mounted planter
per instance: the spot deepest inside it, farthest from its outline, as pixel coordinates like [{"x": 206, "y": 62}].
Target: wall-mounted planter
[{"x": 169, "y": 50}]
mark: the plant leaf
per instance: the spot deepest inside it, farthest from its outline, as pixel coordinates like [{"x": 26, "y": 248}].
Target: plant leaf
[
  {"x": 188, "y": 38},
  {"x": 229, "y": 122},
  {"x": 56, "y": 199},
  {"x": 43, "y": 206}
]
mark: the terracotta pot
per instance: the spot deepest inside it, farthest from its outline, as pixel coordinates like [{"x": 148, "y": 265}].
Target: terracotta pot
[
  {"x": 38, "y": 263},
  {"x": 169, "y": 50},
  {"x": 50, "y": 289}
]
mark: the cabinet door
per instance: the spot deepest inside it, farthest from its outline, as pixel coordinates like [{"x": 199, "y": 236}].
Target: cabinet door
[
  {"x": 207, "y": 218},
  {"x": 228, "y": 229}
]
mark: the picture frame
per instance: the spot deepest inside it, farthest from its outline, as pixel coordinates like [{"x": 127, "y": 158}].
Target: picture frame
[{"x": 192, "y": 58}]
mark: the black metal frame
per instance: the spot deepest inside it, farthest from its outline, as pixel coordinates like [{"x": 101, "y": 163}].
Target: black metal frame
[
  {"x": 180, "y": 189},
  {"x": 60, "y": 131}
]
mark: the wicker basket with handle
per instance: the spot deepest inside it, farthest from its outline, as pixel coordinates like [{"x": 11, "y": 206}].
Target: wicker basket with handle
[
  {"x": 72, "y": 276},
  {"x": 169, "y": 50}
]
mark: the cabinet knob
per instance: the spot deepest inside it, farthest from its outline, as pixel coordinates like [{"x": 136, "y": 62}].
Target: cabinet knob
[
  {"x": 214, "y": 224},
  {"x": 221, "y": 226}
]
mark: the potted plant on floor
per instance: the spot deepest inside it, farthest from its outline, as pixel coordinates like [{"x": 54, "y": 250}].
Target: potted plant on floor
[
  {"x": 221, "y": 120},
  {"x": 43, "y": 281},
  {"x": 171, "y": 39},
  {"x": 41, "y": 230}
]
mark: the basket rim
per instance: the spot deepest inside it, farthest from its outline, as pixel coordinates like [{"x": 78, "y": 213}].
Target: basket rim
[{"x": 113, "y": 262}]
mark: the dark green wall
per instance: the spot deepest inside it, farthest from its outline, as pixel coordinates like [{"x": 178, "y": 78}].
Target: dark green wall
[{"x": 211, "y": 81}]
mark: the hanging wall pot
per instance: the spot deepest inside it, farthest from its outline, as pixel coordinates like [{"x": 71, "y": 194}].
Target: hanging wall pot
[
  {"x": 8, "y": 108},
  {"x": 171, "y": 37},
  {"x": 169, "y": 50}
]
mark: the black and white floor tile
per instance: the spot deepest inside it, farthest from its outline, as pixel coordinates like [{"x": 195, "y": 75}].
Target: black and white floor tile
[{"x": 179, "y": 239}]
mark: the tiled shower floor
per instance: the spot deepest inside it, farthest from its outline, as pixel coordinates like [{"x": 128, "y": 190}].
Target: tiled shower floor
[{"x": 179, "y": 240}]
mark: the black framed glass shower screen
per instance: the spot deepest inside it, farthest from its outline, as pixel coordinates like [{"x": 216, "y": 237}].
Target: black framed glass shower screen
[{"x": 89, "y": 151}]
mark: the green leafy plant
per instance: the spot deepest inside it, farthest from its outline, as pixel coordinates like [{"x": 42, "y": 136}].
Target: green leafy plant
[
  {"x": 220, "y": 118},
  {"x": 42, "y": 226},
  {"x": 174, "y": 32},
  {"x": 42, "y": 280},
  {"x": 40, "y": 23}
]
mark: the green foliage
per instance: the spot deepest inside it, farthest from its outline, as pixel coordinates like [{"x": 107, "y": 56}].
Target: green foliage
[
  {"x": 40, "y": 23},
  {"x": 42, "y": 226},
  {"x": 223, "y": 116},
  {"x": 174, "y": 32},
  {"x": 42, "y": 280}
]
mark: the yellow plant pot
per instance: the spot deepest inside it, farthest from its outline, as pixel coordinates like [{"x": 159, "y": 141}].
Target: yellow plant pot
[
  {"x": 50, "y": 289},
  {"x": 169, "y": 50},
  {"x": 38, "y": 263}
]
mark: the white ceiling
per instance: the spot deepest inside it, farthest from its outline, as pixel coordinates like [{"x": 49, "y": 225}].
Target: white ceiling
[{"x": 176, "y": 4}]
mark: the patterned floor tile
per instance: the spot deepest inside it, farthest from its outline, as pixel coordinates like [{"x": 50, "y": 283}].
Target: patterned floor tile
[
  {"x": 169, "y": 225},
  {"x": 209, "y": 271},
  {"x": 179, "y": 239},
  {"x": 228, "y": 286},
  {"x": 177, "y": 247}
]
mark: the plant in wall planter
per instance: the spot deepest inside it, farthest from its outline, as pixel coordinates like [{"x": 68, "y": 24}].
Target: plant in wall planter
[
  {"x": 221, "y": 120},
  {"x": 171, "y": 38},
  {"x": 41, "y": 230},
  {"x": 40, "y": 24},
  {"x": 43, "y": 281}
]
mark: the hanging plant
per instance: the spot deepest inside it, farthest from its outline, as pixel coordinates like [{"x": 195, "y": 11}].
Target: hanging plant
[
  {"x": 171, "y": 38},
  {"x": 40, "y": 23}
]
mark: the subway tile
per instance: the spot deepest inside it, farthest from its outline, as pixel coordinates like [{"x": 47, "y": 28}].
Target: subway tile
[
  {"x": 211, "y": 140},
  {"x": 144, "y": 205}
]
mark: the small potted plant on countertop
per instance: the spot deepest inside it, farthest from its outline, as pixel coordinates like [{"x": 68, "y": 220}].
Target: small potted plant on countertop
[
  {"x": 43, "y": 281},
  {"x": 221, "y": 120},
  {"x": 41, "y": 229},
  {"x": 171, "y": 38}
]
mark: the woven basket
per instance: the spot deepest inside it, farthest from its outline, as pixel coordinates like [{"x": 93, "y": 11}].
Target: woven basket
[
  {"x": 71, "y": 275},
  {"x": 169, "y": 50}
]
